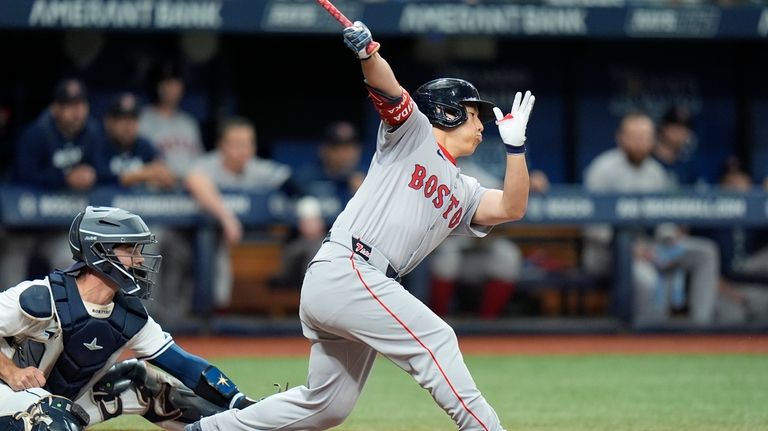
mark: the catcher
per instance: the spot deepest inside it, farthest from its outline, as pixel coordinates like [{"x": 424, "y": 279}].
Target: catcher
[{"x": 61, "y": 338}]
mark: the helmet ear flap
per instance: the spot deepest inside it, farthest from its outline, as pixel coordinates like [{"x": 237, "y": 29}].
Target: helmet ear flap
[{"x": 75, "y": 245}]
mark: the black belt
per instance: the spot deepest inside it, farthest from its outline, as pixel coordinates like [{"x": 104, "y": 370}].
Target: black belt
[{"x": 365, "y": 251}]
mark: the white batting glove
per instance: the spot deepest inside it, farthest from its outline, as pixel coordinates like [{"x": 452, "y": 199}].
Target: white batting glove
[
  {"x": 512, "y": 126},
  {"x": 359, "y": 39}
]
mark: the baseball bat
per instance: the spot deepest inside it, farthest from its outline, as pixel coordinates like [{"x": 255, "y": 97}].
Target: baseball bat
[
  {"x": 335, "y": 13},
  {"x": 343, "y": 20}
]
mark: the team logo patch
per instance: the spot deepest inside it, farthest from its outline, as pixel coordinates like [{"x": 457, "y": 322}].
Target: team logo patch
[
  {"x": 222, "y": 381},
  {"x": 92, "y": 345},
  {"x": 361, "y": 249}
]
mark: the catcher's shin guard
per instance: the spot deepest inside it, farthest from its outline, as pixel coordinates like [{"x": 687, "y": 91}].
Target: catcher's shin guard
[
  {"x": 17, "y": 422},
  {"x": 51, "y": 413}
]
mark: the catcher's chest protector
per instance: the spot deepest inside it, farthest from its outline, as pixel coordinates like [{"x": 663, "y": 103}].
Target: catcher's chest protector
[{"x": 88, "y": 342}]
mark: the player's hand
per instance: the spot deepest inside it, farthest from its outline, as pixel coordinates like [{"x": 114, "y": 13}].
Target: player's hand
[
  {"x": 161, "y": 176},
  {"x": 81, "y": 177},
  {"x": 359, "y": 39},
  {"x": 25, "y": 378},
  {"x": 539, "y": 183},
  {"x": 233, "y": 230},
  {"x": 512, "y": 126}
]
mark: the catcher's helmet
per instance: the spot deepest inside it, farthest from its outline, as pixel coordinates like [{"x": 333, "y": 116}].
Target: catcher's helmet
[
  {"x": 97, "y": 230},
  {"x": 442, "y": 101}
]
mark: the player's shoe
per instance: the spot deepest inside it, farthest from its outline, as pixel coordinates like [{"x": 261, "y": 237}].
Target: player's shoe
[{"x": 195, "y": 426}]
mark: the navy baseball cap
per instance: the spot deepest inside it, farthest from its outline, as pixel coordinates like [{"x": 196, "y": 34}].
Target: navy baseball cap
[
  {"x": 340, "y": 133},
  {"x": 70, "y": 91},
  {"x": 677, "y": 115},
  {"x": 124, "y": 105}
]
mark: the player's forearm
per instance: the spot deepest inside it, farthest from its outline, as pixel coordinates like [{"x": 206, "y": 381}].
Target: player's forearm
[
  {"x": 514, "y": 201},
  {"x": 130, "y": 179},
  {"x": 379, "y": 75},
  {"x": 6, "y": 368},
  {"x": 207, "y": 196}
]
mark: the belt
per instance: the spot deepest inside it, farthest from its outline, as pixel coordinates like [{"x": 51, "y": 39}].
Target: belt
[{"x": 369, "y": 253}]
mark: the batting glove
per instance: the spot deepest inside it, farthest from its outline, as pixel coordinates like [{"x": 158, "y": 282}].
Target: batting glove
[
  {"x": 512, "y": 126},
  {"x": 359, "y": 39}
]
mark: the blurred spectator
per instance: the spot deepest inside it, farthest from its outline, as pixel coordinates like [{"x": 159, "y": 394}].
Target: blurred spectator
[
  {"x": 176, "y": 136},
  {"x": 675, "y": 147},
  {"x": 494, "y": 264},
  {"x": 232, "y": 166},
  {"x": 743, "y": 258},
  {"x": 299, "y": 251},
  {"x": 658, "y": 262},
  {"x": 6, "y": 144},
  {"x": 174, "y": 133},
  {"x": 125, "y": 158},
  {"x": 53, "y": 153},
  {"x": 338, "y": 173}
]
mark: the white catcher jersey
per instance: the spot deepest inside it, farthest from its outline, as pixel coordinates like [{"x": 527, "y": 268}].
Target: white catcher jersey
[
  {"x": 413, "y": 196},
  {"x": 149, "y": 342}
]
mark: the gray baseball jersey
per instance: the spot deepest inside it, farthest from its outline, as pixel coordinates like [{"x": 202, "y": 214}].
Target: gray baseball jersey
[
  {"x": 352, "y": 306},
  {"x": 412, "y": 198}
]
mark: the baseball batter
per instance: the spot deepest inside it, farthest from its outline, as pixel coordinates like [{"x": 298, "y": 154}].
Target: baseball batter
[{"x": 414, "y": 196}]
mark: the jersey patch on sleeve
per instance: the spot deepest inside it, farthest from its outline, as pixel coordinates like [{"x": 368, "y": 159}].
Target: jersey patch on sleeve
[{"x": 35, "y": 302}]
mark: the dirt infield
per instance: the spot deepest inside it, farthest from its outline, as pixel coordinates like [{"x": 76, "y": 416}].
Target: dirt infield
[{"x": 512, "y": 345}]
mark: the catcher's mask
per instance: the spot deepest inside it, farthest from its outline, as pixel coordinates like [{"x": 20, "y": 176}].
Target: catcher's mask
[
  {"x": 443, "y": 101},
  {"x": 95, "y": 239}
]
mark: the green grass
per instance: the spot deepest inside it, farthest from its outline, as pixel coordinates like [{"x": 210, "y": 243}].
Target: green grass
[{"x": 560, "y": 393}]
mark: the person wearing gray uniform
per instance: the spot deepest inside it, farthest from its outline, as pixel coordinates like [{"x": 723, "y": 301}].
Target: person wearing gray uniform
[
  {"x": 414, "y": 196},
  {"x": 658, "y": 263}
]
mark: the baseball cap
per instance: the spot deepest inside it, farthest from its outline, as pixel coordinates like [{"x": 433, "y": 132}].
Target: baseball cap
[
  {"x": 70, "y": 90},
  {"x": 341, "y": 132},
  {"x": 124, "y": 105},
  {"x": 677, "y": 115}
]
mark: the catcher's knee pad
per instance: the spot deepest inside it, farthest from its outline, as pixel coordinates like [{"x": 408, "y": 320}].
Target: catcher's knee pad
[
  {"x": 51, "y": 413},
  {"x": 122, "y": 376},
  {"x": 132, "y": 387},
  {"x": 169, "y": 399}
]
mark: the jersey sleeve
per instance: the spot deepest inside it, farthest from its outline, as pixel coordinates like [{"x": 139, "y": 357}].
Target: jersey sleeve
[
  {"x": 146, "y": 151},
  {"x": 475, "y": 192},
  {"x": 150, "y": 341},
  {"x": 393, "y": 144},
  {"x": 13, "y": 321},
  {"x": 32, "y": 165}
]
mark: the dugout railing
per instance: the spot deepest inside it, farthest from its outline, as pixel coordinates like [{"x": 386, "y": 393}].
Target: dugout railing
[{"x": 23, "y": 207}]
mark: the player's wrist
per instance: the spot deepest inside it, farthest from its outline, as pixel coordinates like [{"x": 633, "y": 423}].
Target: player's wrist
[{"x": 515, "y": 149}]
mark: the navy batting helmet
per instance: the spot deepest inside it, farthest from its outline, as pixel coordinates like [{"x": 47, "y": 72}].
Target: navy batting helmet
[
  {"x": 443, "y": 102},
  {"x": 92, "y": 237}
]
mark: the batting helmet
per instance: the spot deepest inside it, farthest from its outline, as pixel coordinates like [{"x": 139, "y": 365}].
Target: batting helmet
[
  {"x": 97, "y": 230},
  {"x": 443, "y": 102}
]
